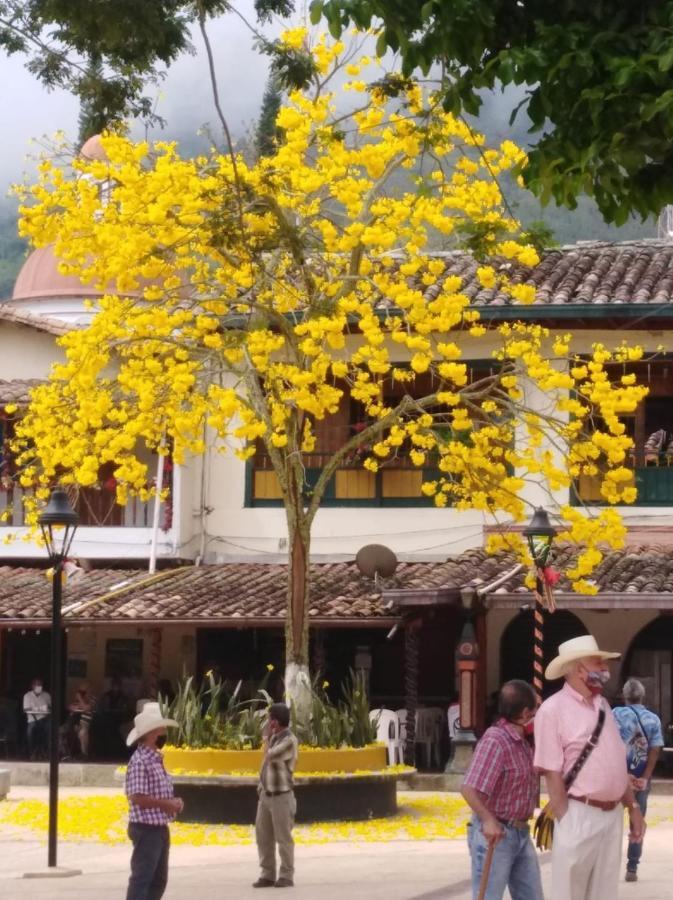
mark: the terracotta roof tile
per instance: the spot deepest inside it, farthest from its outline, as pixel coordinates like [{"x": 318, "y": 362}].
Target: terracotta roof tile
[
  {"x": 596, "y": 273},
  {"x": 17, "y": 390},
  {"x": 256, "y": 591},
  {"x": 31, "y": 320}
]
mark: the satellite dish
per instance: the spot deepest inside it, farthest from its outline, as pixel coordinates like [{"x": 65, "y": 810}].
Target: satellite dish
[{"x": 375, "y": 560}]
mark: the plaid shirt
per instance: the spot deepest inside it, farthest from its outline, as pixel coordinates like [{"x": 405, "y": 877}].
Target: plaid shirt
[
  {"x": 502, "y": 769},
  {"x": 279, "y": 762},
  {"x": 146, "y": 775}
]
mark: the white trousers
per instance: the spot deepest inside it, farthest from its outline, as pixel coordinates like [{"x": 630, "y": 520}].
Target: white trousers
[{"x": 586, "y": 853}]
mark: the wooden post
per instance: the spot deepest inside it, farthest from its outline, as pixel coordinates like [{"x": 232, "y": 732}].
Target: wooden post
[
  {"x": 482, "y": 670},
  {"x": 155, "y": 662},
  {"x": 411, "y": 672},
  {"x": 538, "y": 640}
]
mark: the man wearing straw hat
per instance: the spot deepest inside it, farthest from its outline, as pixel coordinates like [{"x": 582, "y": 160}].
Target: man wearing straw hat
[
  {"x": 574, "y": 726},
  {"x": 149, "y": 789},
  {"x": 501, "y": 788}
]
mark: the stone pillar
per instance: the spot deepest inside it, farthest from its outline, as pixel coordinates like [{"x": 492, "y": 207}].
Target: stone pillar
[{"x": 467, "y": 660}]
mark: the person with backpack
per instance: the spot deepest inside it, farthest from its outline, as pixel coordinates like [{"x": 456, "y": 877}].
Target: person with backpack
[{"x": 640, "y": 729}]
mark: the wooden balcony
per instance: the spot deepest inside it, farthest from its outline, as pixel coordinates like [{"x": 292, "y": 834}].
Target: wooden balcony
[
  {"x": 96, "y": 509},
  {"x": 396, "y": 484},
  {"x": 654, "y": 484}
]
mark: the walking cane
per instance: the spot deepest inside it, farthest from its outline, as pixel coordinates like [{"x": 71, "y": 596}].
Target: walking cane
[{"x": 483, "y": 884}]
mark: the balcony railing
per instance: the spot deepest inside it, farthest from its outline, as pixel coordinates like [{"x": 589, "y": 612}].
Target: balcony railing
[
  {"x": 397, "y": 483},
  {"x": 654, "y": 483},
  {"x": 96, "y": 508}
]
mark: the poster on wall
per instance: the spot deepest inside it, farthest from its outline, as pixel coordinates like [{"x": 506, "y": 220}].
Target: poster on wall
[
  {"x": 77, "y": 666},
  {"x": 124, "y": 658}
]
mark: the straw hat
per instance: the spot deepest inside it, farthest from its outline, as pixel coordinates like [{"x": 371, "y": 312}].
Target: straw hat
[
  {"x": 571, "y": 651},
  {"x": 148, "y": 720}
]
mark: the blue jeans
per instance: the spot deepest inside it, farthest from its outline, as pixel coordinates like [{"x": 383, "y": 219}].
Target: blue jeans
[
  {"x": 149, "y": 861},
  {"x": 514, "y": 865},
  {"x": 635, "y": 851}
]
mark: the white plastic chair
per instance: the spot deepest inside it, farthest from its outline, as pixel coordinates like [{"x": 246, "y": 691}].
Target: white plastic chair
[
  {"x": 453, "y": 720},
  {"x": 388, "y": 732},
  {"x": 429, "y": 722},
  {"x": 402, "y": 716}
]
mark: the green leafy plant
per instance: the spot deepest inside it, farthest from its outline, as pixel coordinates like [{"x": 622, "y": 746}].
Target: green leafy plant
[
  {"x": 342, "y": 724},
  {"x": 208, "y": 717}
]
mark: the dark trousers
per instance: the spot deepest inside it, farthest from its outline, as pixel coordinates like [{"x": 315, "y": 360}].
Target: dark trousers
[
  {"x": 149, "y": 861},
  {"x": 37, "y": 735},
  {"x": 635, "y": 851}
]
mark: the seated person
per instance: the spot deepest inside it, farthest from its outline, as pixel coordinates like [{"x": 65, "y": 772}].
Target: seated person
[
  {"x": 37, "y": 707},
  {"x": 81, "y": 712}
]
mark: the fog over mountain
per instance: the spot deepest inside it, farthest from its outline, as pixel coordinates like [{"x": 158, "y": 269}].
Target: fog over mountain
[{"x": 184, "y": 99}]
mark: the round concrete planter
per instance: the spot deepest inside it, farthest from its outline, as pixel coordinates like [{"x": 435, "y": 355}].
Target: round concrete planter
[
  {"x": 232, "y": 800},
  {"x": 5, "y": 782},
  {"x": 220, "y": 786}
]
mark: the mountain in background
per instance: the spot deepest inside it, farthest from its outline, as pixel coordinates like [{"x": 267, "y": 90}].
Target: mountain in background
[{"x": 566, "y": 226}]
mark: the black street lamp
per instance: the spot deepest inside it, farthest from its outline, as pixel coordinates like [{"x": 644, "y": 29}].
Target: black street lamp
[
  {"x": 58, "y": 523},
  {"x": 540, "y": 534}
]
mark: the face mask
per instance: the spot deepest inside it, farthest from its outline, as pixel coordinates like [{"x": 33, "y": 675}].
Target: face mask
[
  {"x": 596, "y": 681},
  {"x": 37, "y": 689},
  {"x": 529, "y": 729},
  {"x": 161, "y": 740}
]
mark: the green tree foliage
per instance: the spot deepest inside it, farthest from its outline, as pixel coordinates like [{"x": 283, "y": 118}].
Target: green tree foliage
[
  {"x": 267, "y": 133},
  {"x": 12, "y": 249},
  {"x": 598, "y": 77},
  {"x": 132, "y": 40}
]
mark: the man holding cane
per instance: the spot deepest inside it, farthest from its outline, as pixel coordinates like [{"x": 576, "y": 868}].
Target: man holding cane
[{"x": 501, "y": 788}]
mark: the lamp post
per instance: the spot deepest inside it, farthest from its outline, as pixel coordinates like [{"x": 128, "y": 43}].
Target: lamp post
[
  {"x": 58, "y": 523},
  {"x": 540, "y": 534}
]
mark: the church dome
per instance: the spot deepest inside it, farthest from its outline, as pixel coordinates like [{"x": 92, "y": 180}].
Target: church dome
[
  {"x": 92, "y": 149},
  {"x": 39, "y": 279}
]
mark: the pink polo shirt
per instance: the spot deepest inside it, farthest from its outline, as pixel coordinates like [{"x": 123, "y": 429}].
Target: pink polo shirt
[{"x": 563, "y": 725}]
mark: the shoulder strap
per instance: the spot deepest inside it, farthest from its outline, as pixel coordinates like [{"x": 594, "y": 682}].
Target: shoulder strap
[
  {"x": 641, "y": 726},
  {"x": 587, "y": 749}
]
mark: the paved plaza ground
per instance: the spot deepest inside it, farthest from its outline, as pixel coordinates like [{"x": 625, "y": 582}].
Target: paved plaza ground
[{"x": 410, "y": 869}]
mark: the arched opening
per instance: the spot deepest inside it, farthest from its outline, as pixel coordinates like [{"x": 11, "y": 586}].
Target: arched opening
[
  {"x": 650, "y": 660},
  {"x": 516, "y": 645}
]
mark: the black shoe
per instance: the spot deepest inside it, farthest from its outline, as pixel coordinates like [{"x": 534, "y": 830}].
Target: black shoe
[
  {"x": 264, "y": 882},
  {"x": 285, "y": 882}
]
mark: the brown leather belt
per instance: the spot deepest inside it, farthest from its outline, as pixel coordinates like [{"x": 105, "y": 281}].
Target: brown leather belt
[
  {"x": 605, "y": 805},
  {"x": 514, "y": 823}
]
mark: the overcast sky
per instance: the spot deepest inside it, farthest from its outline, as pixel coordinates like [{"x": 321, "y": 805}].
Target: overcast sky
[{"x": 28, "y": 110}]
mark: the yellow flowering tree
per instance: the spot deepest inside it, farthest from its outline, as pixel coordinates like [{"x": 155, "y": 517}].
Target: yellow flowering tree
[{"x": 251, "y": 298}]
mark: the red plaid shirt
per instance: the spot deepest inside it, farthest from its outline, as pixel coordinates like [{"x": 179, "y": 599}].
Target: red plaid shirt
[
  {"x": 146, "y": 775},
  {"x": 502, "y": 769}
]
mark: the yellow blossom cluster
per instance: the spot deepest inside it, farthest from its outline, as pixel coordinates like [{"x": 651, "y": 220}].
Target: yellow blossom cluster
[
  {"x": 103, "y": 819},
  {"x": 254, "y": 299}
]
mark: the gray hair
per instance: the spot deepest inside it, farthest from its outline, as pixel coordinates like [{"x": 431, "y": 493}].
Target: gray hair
[{"x": 633, "y": 691}]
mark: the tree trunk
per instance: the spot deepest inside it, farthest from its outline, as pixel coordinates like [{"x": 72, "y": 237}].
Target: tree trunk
[{"x": 297, "y": 676}]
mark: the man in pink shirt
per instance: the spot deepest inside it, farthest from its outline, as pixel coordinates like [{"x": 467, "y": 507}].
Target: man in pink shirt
[{"x": 586, "y": 851}]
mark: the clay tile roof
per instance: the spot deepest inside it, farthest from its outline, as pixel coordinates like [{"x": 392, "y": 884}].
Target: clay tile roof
[
  {"x": 240, "y": 592},
  {"x": 588, "y": 273},
  {"x": 17, "y": 390},
  {"x": 30, "y": 320}
]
